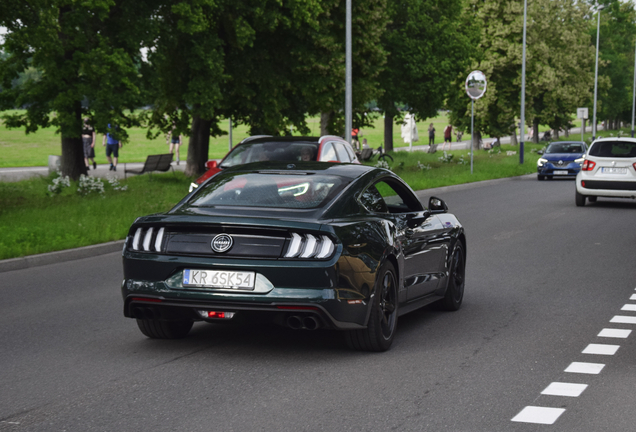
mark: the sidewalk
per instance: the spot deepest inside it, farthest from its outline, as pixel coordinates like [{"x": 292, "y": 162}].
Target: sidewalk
[{"x": 17, "y": 174}]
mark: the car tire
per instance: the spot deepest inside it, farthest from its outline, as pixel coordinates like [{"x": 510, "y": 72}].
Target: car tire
[
  {"x": 454, "y": 296},
  {"x": 579, "y": 199},
  {"x": 157, "y": 329},
  {"x": 591, "y": 199},
  {"x": 378, "y": 336},
  {"x": 540, "y": 177}
]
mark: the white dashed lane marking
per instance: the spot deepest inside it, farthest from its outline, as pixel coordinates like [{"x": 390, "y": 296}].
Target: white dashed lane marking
[
  {"x": 585, "y": 368},
  {"x": 601, "y": 349},
  {"x": 540, "y": 415},
  {"x": 548, "y": 416},
  {"x": 614, "y": 333},
  {"x": 564, "y": 389},
  {"x": 622, "y": 319}
]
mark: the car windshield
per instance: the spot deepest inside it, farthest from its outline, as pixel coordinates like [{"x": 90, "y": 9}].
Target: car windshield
[
  {"x": 614, "y": 149},
  {"x": 565, "y": 148},
  {"x": 271, "y": 151},
  {"x": 267, "y": 189}
]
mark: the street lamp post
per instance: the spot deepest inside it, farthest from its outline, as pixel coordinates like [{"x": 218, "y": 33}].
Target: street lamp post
[
  {"x": 523, "y": 85},
  {"x": 598, "y": 33},
  {"x": 634, "y": 95},
  {"x": 348, "y": 79}
]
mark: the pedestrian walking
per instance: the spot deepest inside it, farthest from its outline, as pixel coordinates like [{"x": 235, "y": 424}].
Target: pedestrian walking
[
  {"x": 431, "y": 135},
  {"x": 88, "y": 141},
  {"x": 113, "y": 144},
  {"x": 175, "y": 141},
  {"x": 448, "y": 134}
]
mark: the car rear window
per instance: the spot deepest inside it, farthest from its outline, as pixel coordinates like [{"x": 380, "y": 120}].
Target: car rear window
[
  {"x": 614, "y": 149},
  {"x": 270, "y": 151},
  {"x": 266, "y": 189},
  {"x": 565, "y": 148}
]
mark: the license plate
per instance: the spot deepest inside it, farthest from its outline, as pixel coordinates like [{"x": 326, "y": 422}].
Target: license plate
[
  {"x": 218, "y": 279},
  {"x": 608, "y": 170},
  {"x": 560, "y": 172}
]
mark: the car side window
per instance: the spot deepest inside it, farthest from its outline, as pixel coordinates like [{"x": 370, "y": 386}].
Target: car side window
[
  {"x": 372, "y": 200},
  {"x": 343, "y": 156},
  {"x": 328, "y": 153},
  {"x": 397, "y": 198}
]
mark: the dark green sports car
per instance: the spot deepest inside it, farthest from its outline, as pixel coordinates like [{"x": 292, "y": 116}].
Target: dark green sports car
[{"x": 305, "y": 245}]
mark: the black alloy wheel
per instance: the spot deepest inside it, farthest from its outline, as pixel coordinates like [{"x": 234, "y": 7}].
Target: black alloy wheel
[
  {"x": 158, "y": 329},
  {"x": 454, "y": 296},
  {"x": 378, "y": 336}
]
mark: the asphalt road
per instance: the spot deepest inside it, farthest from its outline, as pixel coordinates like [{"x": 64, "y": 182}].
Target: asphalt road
[{"x": 544, "y": 278}]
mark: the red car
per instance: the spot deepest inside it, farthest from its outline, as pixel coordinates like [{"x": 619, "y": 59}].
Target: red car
[{"x": 328, "y": 148}]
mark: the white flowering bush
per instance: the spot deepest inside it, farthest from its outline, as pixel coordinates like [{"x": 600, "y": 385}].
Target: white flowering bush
[
  {"x": 383, "y": 164},
  {"x": 88, "y": 185},
  {"x": 446, "y": 158},
  {"x": 461, "y": 160},
  {"x": 423, "y": 167},
  {"x": 511, "y": 153},
  {"x": 114, "y": 183},
  {"x": 58, "y": 184}
]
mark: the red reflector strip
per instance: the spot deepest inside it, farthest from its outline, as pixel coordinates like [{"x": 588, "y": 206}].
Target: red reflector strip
[
  {"x": 297, "y": 307},
  {"x": 151, "y": 300},
  {"x": 214, "y": 314}
]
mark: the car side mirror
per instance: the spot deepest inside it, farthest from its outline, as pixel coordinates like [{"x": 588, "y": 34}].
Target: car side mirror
[
  {"x": 437, "y": 205},
  {"x": 211, "y": 164}
]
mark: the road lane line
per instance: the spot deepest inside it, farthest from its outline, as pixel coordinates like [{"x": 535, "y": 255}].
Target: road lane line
[
  {"x": 539, "y": 415},
  {"x": 564, "y": 389},
  {"x": 633, "y": 297},
  {"x": 585, "y": 368},
  {"x": 614, "y": 333},
  {"x": 622, "y": 319},
  {"x": 601, "y": 349}
]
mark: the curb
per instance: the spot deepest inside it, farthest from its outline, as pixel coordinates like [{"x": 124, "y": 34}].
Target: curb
[{"x": 60, "y": 256}]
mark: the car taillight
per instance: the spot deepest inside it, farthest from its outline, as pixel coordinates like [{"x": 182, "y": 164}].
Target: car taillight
[
  {"x": 634, "y": 165},
  {"x": 309, "y": 246},
  {"x": 147, "y": 240},
  {"x": 588, "y": 165}
]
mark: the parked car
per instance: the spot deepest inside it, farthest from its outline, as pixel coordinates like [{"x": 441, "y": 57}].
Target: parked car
[
  {"x": 327, "y": 148},
  {"x": 609, "y": 170},
  {"x": 304, "y": 245},
  {"x": 561, "y": 159}
]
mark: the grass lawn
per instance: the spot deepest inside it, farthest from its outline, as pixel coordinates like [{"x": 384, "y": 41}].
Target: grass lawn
[{"x": 21, "y": 150}]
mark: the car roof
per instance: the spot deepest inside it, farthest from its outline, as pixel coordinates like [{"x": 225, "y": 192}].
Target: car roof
[
  {"x": 337, "y": 169},
  {"x": 304, "y": 139},
  {"x": 567, "y": 142},
  {"x": 628, "y": 139}
]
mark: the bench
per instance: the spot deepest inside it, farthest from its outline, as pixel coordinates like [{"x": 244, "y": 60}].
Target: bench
[{"x": 161, "y": 162}]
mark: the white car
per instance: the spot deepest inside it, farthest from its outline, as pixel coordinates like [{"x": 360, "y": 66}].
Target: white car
[{"x": 609, "y": 170}]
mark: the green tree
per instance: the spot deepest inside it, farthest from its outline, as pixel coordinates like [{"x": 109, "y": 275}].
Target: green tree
[
  {"x": 87, "y": 54},
  {"x": 559, "y": 65},
  {"x": 616, "y": 52},
  {"x": 427, "y": 42}
]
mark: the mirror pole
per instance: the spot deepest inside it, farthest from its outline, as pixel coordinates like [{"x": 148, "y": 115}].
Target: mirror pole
[
  {"x": 523, "y": 86},
  {"x": 472, "y": 132}
]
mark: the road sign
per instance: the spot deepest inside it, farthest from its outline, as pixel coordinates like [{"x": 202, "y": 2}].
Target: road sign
[{"x": 581, "y": 113}]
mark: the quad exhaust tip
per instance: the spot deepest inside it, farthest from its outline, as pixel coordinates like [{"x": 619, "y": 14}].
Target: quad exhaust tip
[{"x": 296, "y": 322}]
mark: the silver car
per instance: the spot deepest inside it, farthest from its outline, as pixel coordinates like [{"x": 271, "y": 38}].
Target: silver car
[{"x": 609, "y": 170}]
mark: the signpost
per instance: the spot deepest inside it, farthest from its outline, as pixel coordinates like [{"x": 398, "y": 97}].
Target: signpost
[
  {"x": 475, "y": 88},
  {"x": 582, "y": 113}
]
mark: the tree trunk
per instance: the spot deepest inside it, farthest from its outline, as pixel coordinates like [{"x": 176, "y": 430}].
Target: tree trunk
[
  {"x": 476, "y": 140},
  {"x": 513, "y": 139},
  {"x": 388, "y": 132},
  {"x": 556, "y": 134},
  {"x": 535, "y": 131},
  {"x": 198, "y": 146},
  {"x": 72, "y": 160},
  {"x": 325, "y": 118}
]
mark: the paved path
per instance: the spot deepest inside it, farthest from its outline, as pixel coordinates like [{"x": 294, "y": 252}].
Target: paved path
[{"x": 22, "y": 173}]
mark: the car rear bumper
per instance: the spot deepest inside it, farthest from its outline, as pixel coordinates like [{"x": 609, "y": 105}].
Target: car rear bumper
[
  {"x": 606, "y": 188},
  {"x": 332, "y": 307}
]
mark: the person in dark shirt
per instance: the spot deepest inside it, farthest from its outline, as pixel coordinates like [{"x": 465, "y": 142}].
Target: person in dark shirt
[{"x": 88, "y": 141}]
